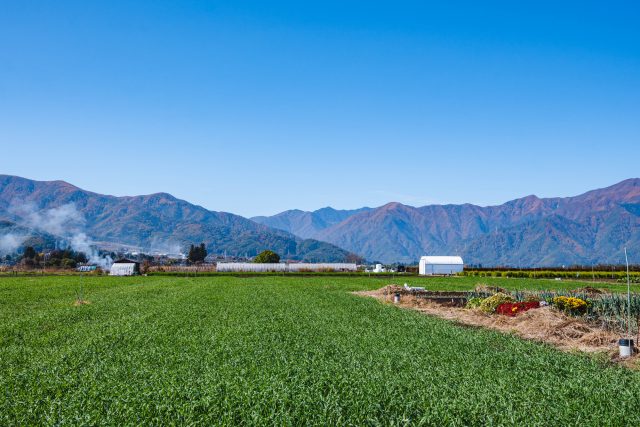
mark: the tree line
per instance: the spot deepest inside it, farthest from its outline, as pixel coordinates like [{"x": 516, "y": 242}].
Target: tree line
[{"x": 63, "y": 258}]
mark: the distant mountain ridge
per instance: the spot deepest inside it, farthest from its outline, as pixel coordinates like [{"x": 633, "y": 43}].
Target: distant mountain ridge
[
  {"x": 305, "y": 224},
  {"x": 155, "y": 219},
  {"x": 530, "y": 231}
]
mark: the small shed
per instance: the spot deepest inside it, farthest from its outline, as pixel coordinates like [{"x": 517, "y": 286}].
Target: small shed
[
  {"x": 124, "y": 267},
  {"x": 440, "y": 265}
]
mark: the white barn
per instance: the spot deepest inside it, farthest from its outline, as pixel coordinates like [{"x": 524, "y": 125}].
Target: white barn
[{"x": 430, "y": 265}]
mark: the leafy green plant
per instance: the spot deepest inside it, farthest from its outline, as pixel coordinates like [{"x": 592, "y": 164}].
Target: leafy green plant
[
  {"x": 489, "y": 305},
  {"x": 474, "y": 302},
  {"x": 267, "y": 257}
]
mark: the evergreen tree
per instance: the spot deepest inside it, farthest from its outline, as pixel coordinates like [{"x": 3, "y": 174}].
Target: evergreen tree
[
  {"x": 29, "y": 252},
  {"x": 197, "y": 253}
]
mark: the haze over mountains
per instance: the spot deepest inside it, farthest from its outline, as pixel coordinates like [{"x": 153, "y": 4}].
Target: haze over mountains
[
  {"x": 303, "y": 223},
  {"x": 589, "y": 228},
  {"x": 154, "y": 222}
]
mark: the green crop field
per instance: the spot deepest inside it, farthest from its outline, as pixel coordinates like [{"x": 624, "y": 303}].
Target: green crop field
[{"x": 282, "y": 350}]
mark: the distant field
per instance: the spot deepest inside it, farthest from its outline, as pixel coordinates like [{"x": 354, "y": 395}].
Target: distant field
[{"x": 282, "y": 350}]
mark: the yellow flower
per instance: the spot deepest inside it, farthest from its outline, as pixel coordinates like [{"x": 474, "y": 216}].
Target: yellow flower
[{"x": 569, "y": 303}]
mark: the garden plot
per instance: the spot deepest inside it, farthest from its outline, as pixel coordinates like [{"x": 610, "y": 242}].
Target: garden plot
[{"x": 546, "y": 324}]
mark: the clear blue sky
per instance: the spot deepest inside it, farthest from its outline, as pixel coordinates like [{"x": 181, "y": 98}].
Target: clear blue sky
[{"x": 258, "y": 107}]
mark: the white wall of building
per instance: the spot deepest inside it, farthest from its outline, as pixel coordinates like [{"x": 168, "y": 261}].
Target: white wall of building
[
  {"x": 322, "y": 266},
  {"x": 249, "y": 267},
  {"x": 293, "y": 267},
  {"x": 122, "y": 269},
  {"x": 440, "y": 265}
]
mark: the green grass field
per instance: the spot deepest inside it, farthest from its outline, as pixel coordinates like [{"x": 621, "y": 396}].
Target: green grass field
[{"x": 281, "y": 350}]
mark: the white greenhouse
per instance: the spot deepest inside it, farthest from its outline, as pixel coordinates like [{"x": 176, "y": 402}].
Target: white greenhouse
[
  {"x": 250, "y": 267},
  {"x": 283, "y": 267},
  {"x": 124, "y": 267},
  {"x": 322, "y": 266},
  {"x": 440, "y": 265}
]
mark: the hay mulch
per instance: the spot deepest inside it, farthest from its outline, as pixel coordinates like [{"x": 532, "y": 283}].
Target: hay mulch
[{"x": 544, "y": 324}]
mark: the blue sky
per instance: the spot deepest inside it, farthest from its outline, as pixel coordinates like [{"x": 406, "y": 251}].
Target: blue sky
[{"x": 258, "y": 107}]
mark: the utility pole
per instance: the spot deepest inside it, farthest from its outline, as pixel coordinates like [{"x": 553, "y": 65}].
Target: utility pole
[{"x": 626, "y": 258}]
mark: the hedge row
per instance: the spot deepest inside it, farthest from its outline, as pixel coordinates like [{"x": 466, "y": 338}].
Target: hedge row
[{"x": 552, "y": 274}]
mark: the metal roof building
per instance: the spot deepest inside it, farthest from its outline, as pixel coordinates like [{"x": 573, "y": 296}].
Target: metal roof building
[
  {"x": 124, "y": 267},
  {"x": 430, "y": 265}
]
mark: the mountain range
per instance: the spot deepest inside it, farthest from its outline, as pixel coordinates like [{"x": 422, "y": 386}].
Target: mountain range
[
  {"x": 593, "y": 227},
  {"x": 531, "y": 231},
  {"x": 154, "y": 222}
]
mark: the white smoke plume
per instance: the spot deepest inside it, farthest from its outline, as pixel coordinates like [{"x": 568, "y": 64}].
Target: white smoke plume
[
  {"x": 65, "y": 221},
  {"x": 10, "y": 242},
  {"x": 81, "y": 243},
  {"x": 165, "y": 247}
]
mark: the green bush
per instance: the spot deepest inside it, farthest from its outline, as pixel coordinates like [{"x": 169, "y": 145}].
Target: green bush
[
  {"x": 490, "y": 304},
  {"x": 267, "y": 257},
  {"x": 474, "y": 302},
  {"x": 69, "y": 263},
  {"x": 532, "y": 298}
]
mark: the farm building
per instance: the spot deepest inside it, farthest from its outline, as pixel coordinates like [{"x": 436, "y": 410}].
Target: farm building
[
  {"x": 430, "y": 265},
  {"x": 322, "y": 266},
  {"x": 250, "y": 267},
  {"x": 379, "y": 268},
  {"x": 283, "y": 267},
  {"x": 124, "y": 267}
]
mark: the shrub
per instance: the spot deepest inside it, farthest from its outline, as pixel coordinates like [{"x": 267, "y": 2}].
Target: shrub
[
  {"x": 267, "y": 257},
  {"x": 68, "y": 263},
  {"x": 513, "y": 308},
  {"x": 489, "y": 305},
  {"x": 474, "y": 302},
  {"x": 532, "y": 298},
  {"x": 571, "y": 305}
]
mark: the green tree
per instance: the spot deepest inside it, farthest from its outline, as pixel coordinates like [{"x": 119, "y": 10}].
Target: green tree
[
  {"x": 81, "y": 258},
  {"x": 68, "y": 263},
  {"x": 197, "y": 253},
  {"x": 267, "y": 257},
  {"x": 29, "y": 252}
]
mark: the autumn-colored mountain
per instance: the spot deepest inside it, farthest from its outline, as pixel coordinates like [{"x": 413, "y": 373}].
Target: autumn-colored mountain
[
  {"x": 531, "y": 231},
  {"x": 156, "y": 220}
]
